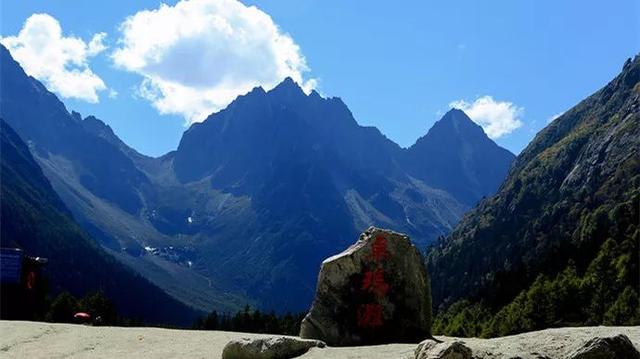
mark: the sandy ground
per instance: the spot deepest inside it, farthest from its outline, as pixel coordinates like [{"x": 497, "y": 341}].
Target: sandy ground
[{"x": 45, "y": 340}]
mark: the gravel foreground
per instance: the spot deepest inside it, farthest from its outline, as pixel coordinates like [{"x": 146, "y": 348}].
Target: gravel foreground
[{"x": 46, "y": 340}]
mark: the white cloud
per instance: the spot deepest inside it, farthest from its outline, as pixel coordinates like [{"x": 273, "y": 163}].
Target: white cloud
[
  {"x": 198, "y": 55},
  {"x": 96, "y": 45},
  {"x": 496, "y": 118},
  {"x": 112, "y": 93},
  {"x": 62, "y": 63}
]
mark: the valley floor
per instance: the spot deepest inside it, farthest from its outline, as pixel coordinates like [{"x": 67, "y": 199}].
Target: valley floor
[{"x": 46, "y": 340}]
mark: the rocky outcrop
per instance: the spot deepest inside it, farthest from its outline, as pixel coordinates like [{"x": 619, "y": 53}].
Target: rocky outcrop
[
  {"x": 377, "y": 291},
  {"x": 560, "y": 343},
  {"x": 268, "y": 348},
  {"x": 618, "y": 346},
  {"x": 432, "y": 349}
]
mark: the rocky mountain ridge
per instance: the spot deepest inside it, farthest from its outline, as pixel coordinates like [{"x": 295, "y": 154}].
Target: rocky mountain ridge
[{"x": 278, "y": 179}]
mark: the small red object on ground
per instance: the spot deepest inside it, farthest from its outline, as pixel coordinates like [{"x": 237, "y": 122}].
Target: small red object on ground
[{"x": 82, "y": 315}]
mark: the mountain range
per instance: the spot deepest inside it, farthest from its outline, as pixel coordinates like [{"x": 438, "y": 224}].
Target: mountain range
[{"x": 257, "y": 195}]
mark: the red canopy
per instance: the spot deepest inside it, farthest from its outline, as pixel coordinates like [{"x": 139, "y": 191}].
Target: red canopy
[{"x": 82, "y": 315}]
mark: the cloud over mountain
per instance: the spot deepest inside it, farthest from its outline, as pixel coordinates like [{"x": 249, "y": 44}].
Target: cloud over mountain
[
  {"x": 197, "y": 56},
  {"x": 61, "y": 62},
  {"x": 497, "y": 118}
]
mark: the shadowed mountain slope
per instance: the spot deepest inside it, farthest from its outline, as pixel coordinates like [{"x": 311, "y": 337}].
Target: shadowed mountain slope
[
  {"x": 567, "y": 213},
  {"x": 278, "y": 180},
  {"x": 35, "y": 219}
]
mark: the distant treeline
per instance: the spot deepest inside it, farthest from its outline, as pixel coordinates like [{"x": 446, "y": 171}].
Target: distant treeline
[
  {"x": 252, "y": 321},
  {"x": 103, "y": 312},
  {"x": 63, "y": 308},
  {"x": 588, "y": 276}
]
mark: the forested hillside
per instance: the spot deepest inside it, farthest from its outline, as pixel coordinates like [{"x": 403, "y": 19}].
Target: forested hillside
[
  {"x": 558, "y": 244},
  {"x": 34, "y": 218}
]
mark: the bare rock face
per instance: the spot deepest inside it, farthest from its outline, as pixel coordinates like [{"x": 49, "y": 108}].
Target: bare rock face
[
  {"x": 432, "y": 349},
  {"x": 618, "y": 346},
  {"x": 375, "y": 292},
  {"x": 268, "y": 348}
]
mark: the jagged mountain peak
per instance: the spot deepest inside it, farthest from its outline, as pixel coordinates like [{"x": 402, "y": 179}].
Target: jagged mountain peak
[
  {"x": 99, "y": 128},
  {"x": 256, "y": 91},
  {"x": 456, "y": 122},
  {"x": 315, "y": 94},
  {"x": 468, "y": 162},
  {"x": 76, "y": 116},
  {"x": 97, "y": 123},
  {"x": 287, "y": 88},
  {"x": 454, "y": 113},
  {"x": 288, "y": 81}
]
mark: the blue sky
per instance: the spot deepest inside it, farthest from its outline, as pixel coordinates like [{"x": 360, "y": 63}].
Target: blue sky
[{"x": 397, "y": 65}]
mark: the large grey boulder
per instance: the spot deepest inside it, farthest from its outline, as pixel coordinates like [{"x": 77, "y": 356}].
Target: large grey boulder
[
  {"x": 432, "y": 349},
  {"x": 556, "y": 343},
  {"x": 616, "y": 347},
  {"x": 268, "y": 348},
  {"x": 377, "y": 291}
]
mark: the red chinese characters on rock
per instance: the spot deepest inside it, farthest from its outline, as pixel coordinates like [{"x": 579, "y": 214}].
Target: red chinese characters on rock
[
  {"x": 379, "y": 249},
  {"x": 370, "y": 314},
  {"x": 374, "y": 282}
]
